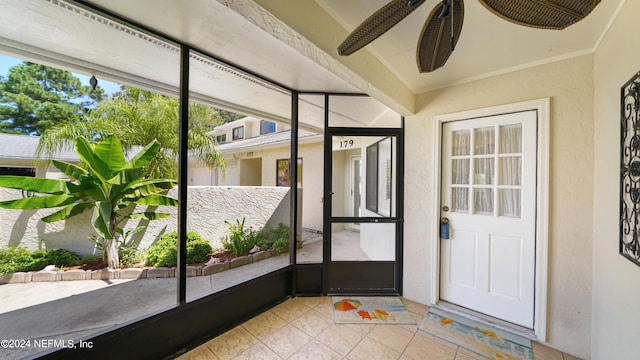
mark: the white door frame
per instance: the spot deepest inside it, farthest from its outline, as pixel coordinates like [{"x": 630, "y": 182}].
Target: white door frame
[{"x": 542, "y": 106}]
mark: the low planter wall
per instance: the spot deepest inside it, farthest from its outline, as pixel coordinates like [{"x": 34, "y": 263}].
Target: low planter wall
[
  {"x": 131, "y": 273},
  {"x": 208, "y": 208}
]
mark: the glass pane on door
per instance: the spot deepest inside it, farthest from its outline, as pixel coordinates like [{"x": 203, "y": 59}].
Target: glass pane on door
[{"x": 484, "y": 141}]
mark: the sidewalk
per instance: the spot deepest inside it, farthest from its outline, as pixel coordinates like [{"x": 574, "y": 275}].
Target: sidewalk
[{"x": 70, "y": 310}]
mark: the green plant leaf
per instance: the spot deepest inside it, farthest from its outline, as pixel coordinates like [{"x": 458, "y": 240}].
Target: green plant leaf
[
  {"x": 148, "y": 216},
  {"x": 144, "y": 156},
  {"x": 71, "y": 170},
  {"x": 67, "y": 212},
  {"x": 88, "y": 187},
  {"x": 28, "y": 183},
  {"x": 125, "y": 176},
  {"x": 100, "y": 219},
  {"x": 38, "y": 202},
  {"x": 86, "y": 152},
  {"x": 157, "y": 200},
  {"x": 110, "y": 152},
  {"x": 149, "y": 186}
]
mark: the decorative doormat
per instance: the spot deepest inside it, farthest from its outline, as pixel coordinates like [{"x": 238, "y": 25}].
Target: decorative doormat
[
  {"x": 370, "y": 310},
  {"x": 477, "y": 337}
]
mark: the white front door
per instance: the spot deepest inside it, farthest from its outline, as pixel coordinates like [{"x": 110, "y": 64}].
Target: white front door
[{"x": 488, "y": 196}]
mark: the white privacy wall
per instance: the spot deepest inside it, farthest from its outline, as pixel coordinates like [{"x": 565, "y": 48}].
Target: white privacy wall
[{"x": 207, "y": 207}]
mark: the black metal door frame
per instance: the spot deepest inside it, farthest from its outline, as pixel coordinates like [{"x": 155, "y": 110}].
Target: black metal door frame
[{"x": 362, "y": 277}]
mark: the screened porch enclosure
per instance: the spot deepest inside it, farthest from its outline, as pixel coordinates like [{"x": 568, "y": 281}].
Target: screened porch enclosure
[{"x": 360, "y": 227}]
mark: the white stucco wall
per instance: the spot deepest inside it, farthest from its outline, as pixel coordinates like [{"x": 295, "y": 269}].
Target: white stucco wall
[
  {"x": 569, "y": 84},
  {"x": 312, "y": 178},
  {"x": 616, "y": 280},
  {"x": 207, "y": 208}
]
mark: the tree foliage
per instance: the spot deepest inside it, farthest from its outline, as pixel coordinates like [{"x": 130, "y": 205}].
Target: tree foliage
[
  {"x": 137, "y": 117},
  {"x": 34, "y": 97},
  {"x": 109, "y": 186},
  {"x": 228, "y": 116}
]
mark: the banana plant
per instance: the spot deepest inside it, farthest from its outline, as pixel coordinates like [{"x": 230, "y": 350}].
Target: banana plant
[{"x": 109, "y": 186}]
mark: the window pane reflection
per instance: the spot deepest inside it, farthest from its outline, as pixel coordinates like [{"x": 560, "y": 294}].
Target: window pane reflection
[
  {"x": 460, "y": 171},
  {"x": 460, "y": 143},
  {"x": 511, "y": 139},
  {"x": 483, "y": 171},
  {"x": 510, "y": 202},
  {"x": 484, "y": 141},
  {"x": 460, "y": 199},
  {"x": 483, "y": 201},
  {"x": 510, "y": 171},
  {"x": 363, "y": 242}
]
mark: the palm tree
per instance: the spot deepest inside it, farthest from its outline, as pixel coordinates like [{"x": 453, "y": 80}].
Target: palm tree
[{"x": 137, "y": 117}]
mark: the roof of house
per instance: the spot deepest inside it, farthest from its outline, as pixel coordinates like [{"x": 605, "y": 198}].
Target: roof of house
[
  {"x": 14, "y": 146},
  {"x": 268, "y": 140}
]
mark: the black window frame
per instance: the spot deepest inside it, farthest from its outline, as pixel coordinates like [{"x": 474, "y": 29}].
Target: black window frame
[{"x": 234, "y": 131}]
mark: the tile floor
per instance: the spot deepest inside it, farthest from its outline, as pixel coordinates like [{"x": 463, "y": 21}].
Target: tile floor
[{"x": 303, "y": 328}]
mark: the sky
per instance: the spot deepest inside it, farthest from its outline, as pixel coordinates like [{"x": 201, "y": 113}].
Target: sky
[{"x": 7, "y": 62}]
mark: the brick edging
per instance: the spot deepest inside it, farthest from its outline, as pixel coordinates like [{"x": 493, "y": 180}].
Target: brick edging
[{"x": 130, "y": 273}]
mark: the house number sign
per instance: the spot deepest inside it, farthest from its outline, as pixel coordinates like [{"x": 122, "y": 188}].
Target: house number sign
[
  {"x": 630, "y": 170},
  {"x": 345, "y": 143}
]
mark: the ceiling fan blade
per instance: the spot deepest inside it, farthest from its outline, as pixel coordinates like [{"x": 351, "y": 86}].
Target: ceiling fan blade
[
  {"x": 544, "y": 14},
  {"x": 439, "y": 36},
  {"x": 377, "y": 24}
]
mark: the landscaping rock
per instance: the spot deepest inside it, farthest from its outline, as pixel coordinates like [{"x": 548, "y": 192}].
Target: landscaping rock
[
  {"x": 44, "y": 276},
  {"x": 239, "y": 261},
  {"x": 105, "y": 274},
  {"x": 161, "y": 272},
  {"x": 215, "y": 268},
  {"x": 15, "y": 278},
  {"x": 71, "y": 275},
  {"x": 133, "y": 273},
  {"x": 194, "y": 271},
  {"x": 261, "y": 255}
]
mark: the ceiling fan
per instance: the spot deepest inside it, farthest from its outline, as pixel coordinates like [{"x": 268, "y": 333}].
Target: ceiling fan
[{"x": 441, "y": 31}]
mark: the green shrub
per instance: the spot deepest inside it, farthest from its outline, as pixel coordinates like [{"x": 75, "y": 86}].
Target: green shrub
[
  {"x": 198, "y": 251},
  {"x": 89, "y": 258},
  {"x": 165, "y": 251},
  {"x": 276, "y": 239},
  {"x": 129, "y": 255},
  {"x": 280, "y": 245},
  {"x": 62, "y": 257},
  {"x": 240, "y": 239},
  {"x": 16, "y": 259}
]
